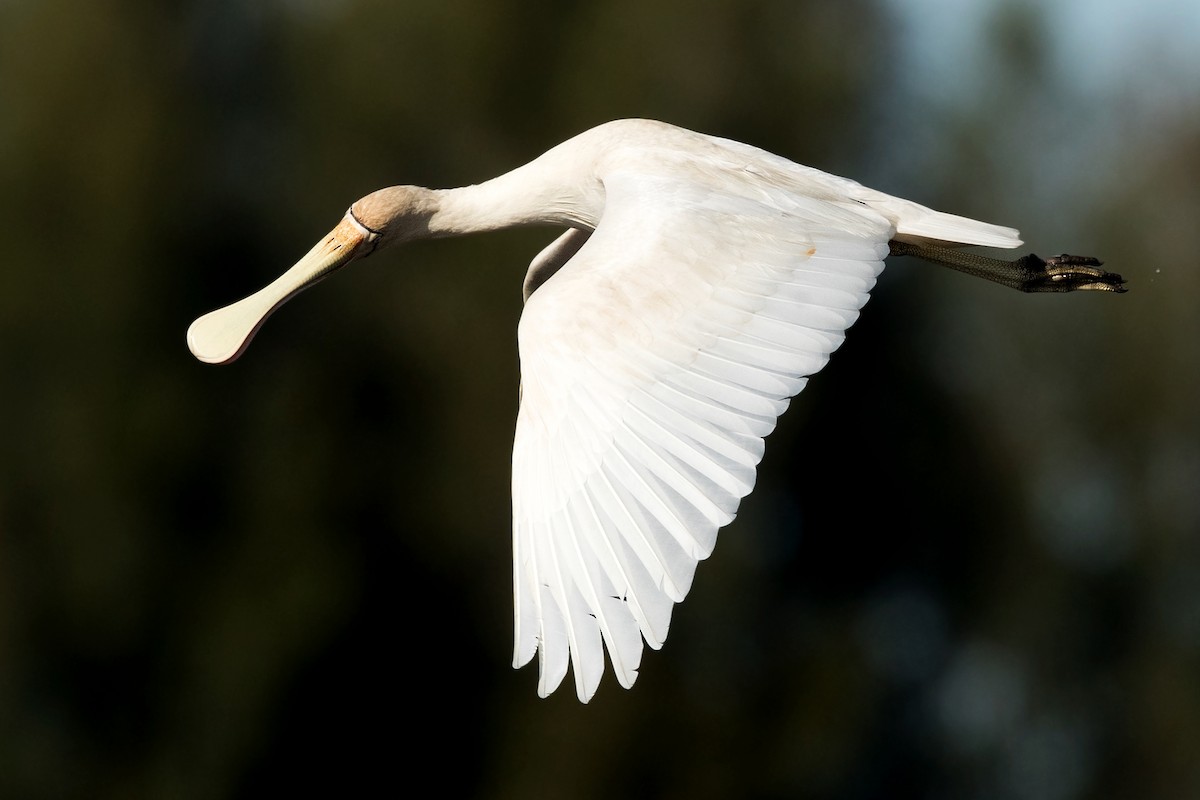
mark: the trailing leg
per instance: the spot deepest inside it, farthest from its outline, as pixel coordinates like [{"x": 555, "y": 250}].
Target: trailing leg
[{"x": 1029, "y": 273}]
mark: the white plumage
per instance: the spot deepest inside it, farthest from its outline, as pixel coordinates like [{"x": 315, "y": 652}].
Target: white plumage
[{"x": 699, "y": 284}]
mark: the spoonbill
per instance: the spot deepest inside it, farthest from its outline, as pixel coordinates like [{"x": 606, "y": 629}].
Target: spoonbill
[{"x": 698, "y": 283}]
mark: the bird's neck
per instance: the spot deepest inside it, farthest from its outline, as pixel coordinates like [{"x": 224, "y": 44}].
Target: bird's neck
[{"x": 553, "y": 189}]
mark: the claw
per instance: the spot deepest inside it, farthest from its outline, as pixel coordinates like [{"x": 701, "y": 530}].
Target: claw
[
  {"x": 1081, "y": 274},
  {"x": 1067, "y": 260},
  {"x": 1067, "y": 273}
]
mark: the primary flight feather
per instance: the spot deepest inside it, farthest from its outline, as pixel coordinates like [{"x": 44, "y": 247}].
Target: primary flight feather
[{"x": 699, "y": 283}]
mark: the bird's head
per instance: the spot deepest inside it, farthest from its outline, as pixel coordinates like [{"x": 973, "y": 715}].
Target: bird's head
[{"x": 395, "y": 214}]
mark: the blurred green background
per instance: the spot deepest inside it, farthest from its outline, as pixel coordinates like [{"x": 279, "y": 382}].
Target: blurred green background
[{"x": 971, "y": 568}]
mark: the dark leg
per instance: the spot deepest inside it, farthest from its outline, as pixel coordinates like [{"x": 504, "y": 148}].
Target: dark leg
[{"x": 1028, "y": 273}]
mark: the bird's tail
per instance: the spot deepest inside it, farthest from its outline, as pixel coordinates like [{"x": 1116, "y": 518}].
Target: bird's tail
[{"x": 919, "y": 225}]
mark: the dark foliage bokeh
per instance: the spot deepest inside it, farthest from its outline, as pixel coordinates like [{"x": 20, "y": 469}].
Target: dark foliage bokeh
[{"x": 970, "y": 568}]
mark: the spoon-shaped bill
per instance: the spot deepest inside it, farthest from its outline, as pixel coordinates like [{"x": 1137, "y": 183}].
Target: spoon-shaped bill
[{"x": 221, "y": 336}]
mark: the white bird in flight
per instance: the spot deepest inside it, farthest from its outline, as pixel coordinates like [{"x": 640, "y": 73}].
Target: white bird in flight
[{"x": 698, "y": 284}]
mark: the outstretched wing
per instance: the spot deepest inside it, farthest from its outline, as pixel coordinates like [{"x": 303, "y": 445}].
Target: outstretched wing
[{"x": 653, "y": 364}]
